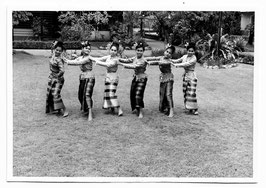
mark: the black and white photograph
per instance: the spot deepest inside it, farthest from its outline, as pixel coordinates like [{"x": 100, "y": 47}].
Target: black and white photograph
[{"x": 154, "y": 93}]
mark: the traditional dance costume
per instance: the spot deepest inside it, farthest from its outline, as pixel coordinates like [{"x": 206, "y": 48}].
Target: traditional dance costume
[
  {"x": 86, "y": 80},
  {"x": 139, "y": 81},
  {"x": 111, "y": 81},
  {"x": 55, "y": 84},
  {"x": 189, "y": 81},
  {"x": 166, "y": 82}
]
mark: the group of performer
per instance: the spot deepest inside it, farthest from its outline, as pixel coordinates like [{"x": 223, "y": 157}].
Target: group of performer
[{"x": 54, "y": 102}]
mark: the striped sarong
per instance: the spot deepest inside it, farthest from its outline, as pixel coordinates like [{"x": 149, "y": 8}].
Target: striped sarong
[
  {"x": 110, "y": 97},
  {"x": 137, "y": 92},
  {"x": 85, "y": 93},
  {"x": 166, "y": 95},
  {"x": 53, "y": 96},
  {"x": 189, "y": 90}
]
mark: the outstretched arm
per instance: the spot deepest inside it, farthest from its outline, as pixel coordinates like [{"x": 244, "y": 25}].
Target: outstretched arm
[
  {"x": 129, "y": 66},
  {"x": 98, "y": 62},
  {"x": 177, "y": 60},
  {"x": 192, "y": 61},
  {"x": 152, "y": 58},
  {"x": 99, "y": 58},
  {"x": 153, "y": 62},
  {"x": 128, "y": 60},
  {"x": 78, "y": 61}
]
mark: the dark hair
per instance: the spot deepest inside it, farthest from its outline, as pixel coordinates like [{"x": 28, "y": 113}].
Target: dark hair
[
  {"x": 85, "y": 44},
  {"x": 140, "y": 45},
  {"x": 171, "y": 47},
  {"x": 59, "y": 44},
  {"x": 115, "y": 45},
  {"x": 191, "y": 45}
]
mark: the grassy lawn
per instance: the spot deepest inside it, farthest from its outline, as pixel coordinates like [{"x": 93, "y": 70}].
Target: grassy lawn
[{"x": 217, "y": 143}]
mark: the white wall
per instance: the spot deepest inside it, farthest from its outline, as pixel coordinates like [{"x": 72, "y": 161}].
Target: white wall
[
  {"x": 245, "y": 20},
  {"x": 101, "y": 35}
]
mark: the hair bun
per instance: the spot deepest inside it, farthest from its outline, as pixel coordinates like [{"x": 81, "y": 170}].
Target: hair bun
[{"x": 85, "y": 43}]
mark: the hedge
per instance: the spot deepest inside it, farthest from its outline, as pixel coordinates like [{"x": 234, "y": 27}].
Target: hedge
[{"x": 48, "y": 44}]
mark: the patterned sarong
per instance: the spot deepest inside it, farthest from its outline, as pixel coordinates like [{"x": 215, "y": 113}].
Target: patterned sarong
[
  {"x": 166, "y": 95},
  {"x": 85, "y": 93},
  {"x": 189, "y": 90},
  {"x": 137, "y": 93},
  {"x": 53, "y": 97},
  {"x": 110, "y": 97}
]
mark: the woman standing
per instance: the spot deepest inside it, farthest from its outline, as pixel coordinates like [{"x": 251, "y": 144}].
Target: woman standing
[
  {"x": 166, "y": 80},
  {"x": 111, "y": 80},
  {"x": 188, "y": 62},
  {"x": 138, "y": 63},
  {"x": 56, "y": 81},
  {"x": 86, "y": 78}
]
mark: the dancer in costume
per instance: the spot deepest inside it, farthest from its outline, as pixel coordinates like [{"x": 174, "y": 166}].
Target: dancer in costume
[
  {"x": 56, "y": 80},
  {"x": 188, "y": 62},
  {"x": 111, "y": 80},
  {"x": 86, "y": 78},
  {"x": 138, "y": 63},
  {"x": 166, "y": 103}
]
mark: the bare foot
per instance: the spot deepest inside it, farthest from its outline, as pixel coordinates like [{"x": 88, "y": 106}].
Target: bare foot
[
  {"x": 65, "y": 114},
  {"x": 90, "y": 115},
  {"x": 120, "y": 112},
  {"x": 195, "y": 112},
  {"x": 171, "y": 113},
  {"x": 140, "y": 113},
  {"x": 89, "y": 118},
  {"x": 134, "y": 111}
]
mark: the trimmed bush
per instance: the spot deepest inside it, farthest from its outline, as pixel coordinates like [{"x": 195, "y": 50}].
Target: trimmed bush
[
  {"x": 48, "y": 44},
  {"x": 246, "y": 58},
  {"x": 43, "y": 45}
]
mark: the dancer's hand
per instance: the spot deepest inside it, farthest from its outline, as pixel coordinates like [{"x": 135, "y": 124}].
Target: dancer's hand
[{"x": 74, "y": 56}]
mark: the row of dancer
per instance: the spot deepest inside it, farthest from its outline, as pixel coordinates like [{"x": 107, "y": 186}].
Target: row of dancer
[{"x": 54, "y": 102}]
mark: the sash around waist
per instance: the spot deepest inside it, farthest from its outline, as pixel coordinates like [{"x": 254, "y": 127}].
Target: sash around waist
[
  {"x": 190, "y": 75},
  {"x": 165, "y": 77},
  {"x": 86, "y": 74},
  {"x": 112, "y": 77},
  {"x": 140, "y": 76}
]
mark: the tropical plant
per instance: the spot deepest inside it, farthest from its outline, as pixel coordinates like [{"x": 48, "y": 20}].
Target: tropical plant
[{"x": 228, "y": 52}]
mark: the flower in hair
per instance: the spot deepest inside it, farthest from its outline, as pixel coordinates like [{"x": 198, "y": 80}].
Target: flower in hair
[{"x": 168, "y": 46}]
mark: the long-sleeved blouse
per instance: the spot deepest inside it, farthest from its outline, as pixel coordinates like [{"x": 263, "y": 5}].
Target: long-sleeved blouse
[
  {"x": 57, "y": 69},
  {"x": 138, "y": 64},
  {"x": 164, "y": 66},
  {"x": 85, "y": 64}
]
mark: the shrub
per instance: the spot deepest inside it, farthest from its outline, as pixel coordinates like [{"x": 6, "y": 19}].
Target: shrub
[
  {"x": 246, "y": 58},
  {"x": 240, "y": 44},
  {"x": 160, "y": 52},
  {"x": 157, "y": 52},
  {"x": 43, "y": 44},
  {"x": 70, "y": 34}
]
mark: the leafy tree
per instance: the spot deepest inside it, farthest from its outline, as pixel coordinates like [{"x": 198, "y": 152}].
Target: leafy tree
[
  {"x": 39, "y": 26},
  {"x": 130, "y": 19},
  {"x": 79, "y": 25},
  {"x": 20, "y": 16},
  {"x": 186, "y": 24}
]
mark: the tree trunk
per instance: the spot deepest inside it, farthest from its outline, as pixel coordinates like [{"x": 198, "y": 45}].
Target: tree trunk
[
  {"x": 219, "y": 34},
  {"x": 251, "y": 36}
]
